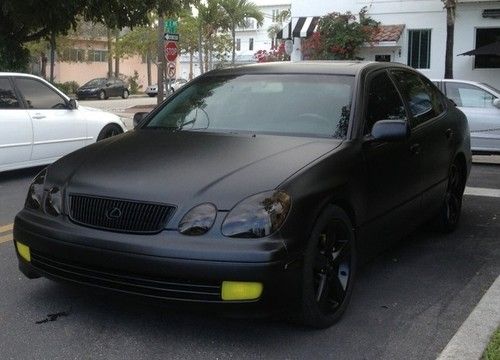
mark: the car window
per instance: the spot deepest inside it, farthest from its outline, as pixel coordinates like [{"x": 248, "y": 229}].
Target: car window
[
  {"x": 424, "y": 101},
  {"x": 39, "y": 95},
  {"x": 467, "y": 95},
  {"x": 295, "y": 104},
  {"x": 8, "y": 99},
  {"x": 384, "y": 102}
]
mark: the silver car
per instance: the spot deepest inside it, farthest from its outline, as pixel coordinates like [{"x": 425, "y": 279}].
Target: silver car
[
  {"x": 152, "y": 90},
  {"x": 481, "y": 104}
]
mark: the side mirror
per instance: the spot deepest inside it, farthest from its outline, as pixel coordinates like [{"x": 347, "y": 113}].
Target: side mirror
[
  {"x": 496, "y": 103},
  {"x": 73, "y": 104},
  {"x": 390, "y": 130},
  {"x": 138, "y": 117}
]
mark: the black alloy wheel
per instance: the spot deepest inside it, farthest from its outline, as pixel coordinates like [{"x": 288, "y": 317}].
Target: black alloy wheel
[
  {"x": 109, "y": 131},
  {"x": 102, "y": 95},
  {"x": 329, "y": 269},
  {"x": 452, "y": 204}
]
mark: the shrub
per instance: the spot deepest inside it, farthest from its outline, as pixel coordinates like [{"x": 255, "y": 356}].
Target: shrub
[
  {"x": 69, "y": 87},
  {"x": 133, "y": 83}
]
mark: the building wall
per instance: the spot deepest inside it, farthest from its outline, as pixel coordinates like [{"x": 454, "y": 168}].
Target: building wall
[{"x": 418, "y": 14}]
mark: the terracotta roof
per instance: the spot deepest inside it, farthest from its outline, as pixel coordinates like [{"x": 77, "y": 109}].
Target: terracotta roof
[{"x": 388, "y": 33}]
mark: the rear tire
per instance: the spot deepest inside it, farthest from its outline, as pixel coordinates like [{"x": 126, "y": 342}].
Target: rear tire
[
  {"x": 102, "y": 95},
  {"x": 329, "y": 269},
  {"x": 449, "y": 215},
  {"x": 125, "y": 94},
  {"x": 109, "y": 131},
  {"x": 151, "y": 95}
]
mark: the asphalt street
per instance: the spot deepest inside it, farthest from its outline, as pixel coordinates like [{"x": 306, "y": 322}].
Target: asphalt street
[{"x": 407, "y": 303}]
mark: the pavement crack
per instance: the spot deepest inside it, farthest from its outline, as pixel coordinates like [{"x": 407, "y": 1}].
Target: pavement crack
[{"x": 53, "y": 317}]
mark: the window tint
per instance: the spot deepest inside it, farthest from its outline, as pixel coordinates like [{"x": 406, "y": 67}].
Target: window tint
[
  {"x": 424, "y": 101},
  {"x": 8, "y": 98},
  {"x": 384, "y": 102},
  {"x": 39, "y": 95},
  {"x": 469, "y": 95}
]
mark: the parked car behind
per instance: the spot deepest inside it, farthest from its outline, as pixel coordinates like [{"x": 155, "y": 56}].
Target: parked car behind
[
  {"x": 152, "y": 90},
  {"x": 214, "y": 200},
  {"x": 480, "y": 102},
  {"x": 102, "y": 89},
  {"x": 39, "y": 124}
]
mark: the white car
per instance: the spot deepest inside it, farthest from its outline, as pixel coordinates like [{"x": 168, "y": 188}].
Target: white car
[
  {"x": 152, "y": 90},
  {"x": 39, "y": 124},
  {"x": 481, "y": 104}
]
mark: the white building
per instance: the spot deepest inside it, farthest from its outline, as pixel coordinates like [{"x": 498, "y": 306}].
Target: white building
[{"x": 416, "y": 33}]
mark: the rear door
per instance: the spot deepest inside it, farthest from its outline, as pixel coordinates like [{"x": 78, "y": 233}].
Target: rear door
[
  {"x": 16, "y": 133},
  {"x": 57, "y": 130},
  {"x": 482, "y": 115}
]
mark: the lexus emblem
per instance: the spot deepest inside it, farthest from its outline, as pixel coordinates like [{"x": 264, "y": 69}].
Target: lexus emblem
[{"x": 114, "y": 213}]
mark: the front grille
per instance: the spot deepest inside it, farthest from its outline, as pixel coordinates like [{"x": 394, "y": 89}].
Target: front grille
[
  {"x": 119, "y": 215},
  {"x": 139, "y": 284}
]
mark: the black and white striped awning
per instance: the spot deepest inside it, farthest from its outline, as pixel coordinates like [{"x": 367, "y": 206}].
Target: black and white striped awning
[{"x": 304, "y": 27}]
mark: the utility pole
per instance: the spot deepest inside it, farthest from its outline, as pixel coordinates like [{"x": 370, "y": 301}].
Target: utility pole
[{"x": 161, "y": 59}]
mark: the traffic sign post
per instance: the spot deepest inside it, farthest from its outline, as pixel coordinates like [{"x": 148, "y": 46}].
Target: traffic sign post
[{"x": 171, "y": 38}]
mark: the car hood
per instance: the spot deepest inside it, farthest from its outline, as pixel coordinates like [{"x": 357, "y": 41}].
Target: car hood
[{"x": 186, "y": 168}]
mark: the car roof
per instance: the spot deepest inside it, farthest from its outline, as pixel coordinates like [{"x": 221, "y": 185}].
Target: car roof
[
  {"x": 334, "y": 67},
  {"x": 19, "y": 74}
]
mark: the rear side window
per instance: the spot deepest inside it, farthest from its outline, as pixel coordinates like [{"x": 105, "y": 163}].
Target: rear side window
[
  {"x": 384, "y": 102},
  {"x": 8, "y": 99},
  {"x": 466, "y": 95},
  {"x": 424, "y": 100},
  {"x": 39, "y": 95}
]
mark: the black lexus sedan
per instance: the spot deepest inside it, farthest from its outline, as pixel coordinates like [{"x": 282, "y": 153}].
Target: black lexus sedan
[
  {"x": 102, "y": 89},
  {"x": 253, "y": 189}
]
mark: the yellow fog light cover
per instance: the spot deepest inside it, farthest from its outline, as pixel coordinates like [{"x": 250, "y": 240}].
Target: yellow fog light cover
[
  {"x": 24, "y": 251},
  {"x": 238, "y": 290}
]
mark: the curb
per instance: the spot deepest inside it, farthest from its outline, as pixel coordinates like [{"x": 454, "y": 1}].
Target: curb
[{"x": 474, "y": 334}]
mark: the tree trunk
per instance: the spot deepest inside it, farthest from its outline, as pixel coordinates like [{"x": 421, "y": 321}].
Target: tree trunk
[
  {"x": 200, "y": 48},
  {"x": 117, "y": 56},
  {"x": 52, "y": 55},
  {"x": 148, "y": 66},
  {"x": 233, "y": 33},
  {"x": 450, "y": 6},
  {"x": 191, "y": 58},
  {"x": 43, "y": 69},
  {"x": 161, "y": 59},
  {"x": 110, "y": 52}
]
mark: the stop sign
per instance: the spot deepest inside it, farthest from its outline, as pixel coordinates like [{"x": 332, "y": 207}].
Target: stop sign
[{"x": 171, "y": 50}]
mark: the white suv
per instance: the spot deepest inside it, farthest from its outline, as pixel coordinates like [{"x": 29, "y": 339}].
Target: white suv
[{"x": 39, "y": 124}]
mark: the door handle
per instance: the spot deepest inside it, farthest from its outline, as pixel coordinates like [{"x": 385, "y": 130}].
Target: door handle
[
  {"x": 449, "y": 134},
  {"x": 38, "y": 116},
  {"x": 415, "y": 149}
]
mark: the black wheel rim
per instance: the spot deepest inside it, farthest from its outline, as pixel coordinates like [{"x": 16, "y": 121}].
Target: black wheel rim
[
  {"x": 453, "y": 195},
  {"x": 332, "y": 266}
]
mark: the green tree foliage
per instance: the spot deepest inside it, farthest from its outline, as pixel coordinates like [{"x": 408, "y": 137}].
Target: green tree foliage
[
  {"x": 340, "y": 36},
  {"x": 188, "y": 42},
  {"x": 31, "y": 20},
  {"x": 237, "y": 12}
]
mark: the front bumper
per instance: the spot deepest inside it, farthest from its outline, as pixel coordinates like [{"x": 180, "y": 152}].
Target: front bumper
[{"x": 61, "y": 250}]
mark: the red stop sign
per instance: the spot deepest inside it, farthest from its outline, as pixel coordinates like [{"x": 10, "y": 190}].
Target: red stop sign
[{"x": 171, "y": 50}]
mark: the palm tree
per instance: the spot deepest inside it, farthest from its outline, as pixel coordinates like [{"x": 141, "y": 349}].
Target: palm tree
[{"x": 237, "y": 13}]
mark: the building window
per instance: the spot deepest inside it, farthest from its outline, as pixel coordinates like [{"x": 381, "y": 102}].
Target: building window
[
  {"x": 97, "y": 55},
  {"x": 485, "y": 37},
  {"x": 238, "y": 44},
  {"x": 250, "y": 44},
  {"x": 419, "y": 48},
  {"x": 383, "y": 58},
  {"x": 74, "y": 55}
]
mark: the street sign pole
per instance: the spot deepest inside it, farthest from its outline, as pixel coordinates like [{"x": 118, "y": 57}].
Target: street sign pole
[{"x": 170, "y": 37}]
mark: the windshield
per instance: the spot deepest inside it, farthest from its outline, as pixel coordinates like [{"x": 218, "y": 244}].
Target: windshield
[
  {"x": 301, "y": 104},
  {"x": 96, "y": 82}
]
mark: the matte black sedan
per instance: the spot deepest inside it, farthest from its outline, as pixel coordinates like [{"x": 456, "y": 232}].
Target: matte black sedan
[
  {"x": 253, "y": 189},
  {"x": 102, "y": 89}
]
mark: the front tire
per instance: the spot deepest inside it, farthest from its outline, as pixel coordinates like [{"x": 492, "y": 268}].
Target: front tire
[
  {"x": 329, "y": 269},
  {"x": 109, "y": 131}
]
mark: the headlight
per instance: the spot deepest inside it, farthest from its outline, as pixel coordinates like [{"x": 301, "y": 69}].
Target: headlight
[
  {"x": 35, "y": 192},
  {"x": 53, "y": 202},
  {"x": 198, "y": 220},
  {"x": 258, "y": 215}
]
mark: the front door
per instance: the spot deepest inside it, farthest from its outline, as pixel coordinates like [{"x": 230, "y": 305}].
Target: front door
[{"x": 57, "y": 130}]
